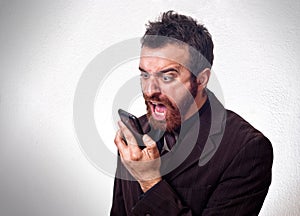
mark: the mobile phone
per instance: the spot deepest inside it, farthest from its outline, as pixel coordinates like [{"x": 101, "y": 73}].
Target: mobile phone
[{"x": 133, "y": 124}]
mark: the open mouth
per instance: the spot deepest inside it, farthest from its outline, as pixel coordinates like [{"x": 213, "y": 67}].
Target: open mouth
[{"x": 159, "y": 110}]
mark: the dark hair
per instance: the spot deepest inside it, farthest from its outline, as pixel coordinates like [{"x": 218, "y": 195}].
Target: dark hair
[{"x": 185, "y": 29}]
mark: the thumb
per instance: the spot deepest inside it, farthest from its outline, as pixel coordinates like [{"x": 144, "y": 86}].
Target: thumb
[
  {"x": 151, "y": 148},
  {"x": 148, "y": 141}
]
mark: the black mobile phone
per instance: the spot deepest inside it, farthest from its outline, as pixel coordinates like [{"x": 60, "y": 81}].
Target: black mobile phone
[{"x": 133, "y": 124}]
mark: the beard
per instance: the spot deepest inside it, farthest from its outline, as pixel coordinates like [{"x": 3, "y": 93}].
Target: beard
[
  {"x": 174, "y": 114},
  {"x": 172, "y": 119}
]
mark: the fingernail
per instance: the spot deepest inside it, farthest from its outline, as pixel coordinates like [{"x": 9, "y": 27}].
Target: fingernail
[
  {"x": 147, "y": 139},
  {"x": 120, "y": 123}
]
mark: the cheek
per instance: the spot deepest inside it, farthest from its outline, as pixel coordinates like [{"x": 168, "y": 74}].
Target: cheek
[{"x": 178, "y": 92}]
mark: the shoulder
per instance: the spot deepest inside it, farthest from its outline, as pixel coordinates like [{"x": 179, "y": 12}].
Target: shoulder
[
  {"x": 238, "y": 127},
  {"x": 240, "y": 134},
  {"x": 243, "y": 149}
]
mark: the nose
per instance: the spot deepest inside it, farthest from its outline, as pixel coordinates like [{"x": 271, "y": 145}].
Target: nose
[{"x": 150, "y": 86}]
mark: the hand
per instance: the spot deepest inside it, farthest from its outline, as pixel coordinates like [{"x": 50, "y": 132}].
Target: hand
[{"x": 143, "y": 165}]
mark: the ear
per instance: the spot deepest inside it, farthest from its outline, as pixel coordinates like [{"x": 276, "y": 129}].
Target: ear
[{"x": 203, "y": 78}]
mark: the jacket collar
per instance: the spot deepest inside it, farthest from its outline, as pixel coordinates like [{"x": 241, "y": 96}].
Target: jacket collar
[{"x": 199, "y": 143}]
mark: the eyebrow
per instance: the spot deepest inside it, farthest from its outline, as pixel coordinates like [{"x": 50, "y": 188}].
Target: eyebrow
[{"x": 162, "y": 71}]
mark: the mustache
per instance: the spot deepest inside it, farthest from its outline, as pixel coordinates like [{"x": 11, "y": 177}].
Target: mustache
[{"x": 159, "y": 98}]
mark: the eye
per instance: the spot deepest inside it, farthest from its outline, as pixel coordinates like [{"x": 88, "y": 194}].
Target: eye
[
  {"x": 167, "y": 77},
  {"x": 144, "y": 75}
]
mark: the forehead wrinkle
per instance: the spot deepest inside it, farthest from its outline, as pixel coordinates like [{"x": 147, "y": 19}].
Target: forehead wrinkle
[
  {"x": 168, "y": 67},
  {"x": 171, "y": 52}
]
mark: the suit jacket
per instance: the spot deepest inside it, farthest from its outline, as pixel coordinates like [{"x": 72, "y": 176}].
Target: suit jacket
[{"x": 225, "y": 170}]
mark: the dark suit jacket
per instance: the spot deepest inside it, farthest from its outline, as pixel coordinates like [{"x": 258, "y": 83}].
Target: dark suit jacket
[{"x": 227, "y": 171}]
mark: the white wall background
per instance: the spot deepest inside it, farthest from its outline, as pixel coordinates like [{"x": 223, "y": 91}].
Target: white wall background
[{"x": 46, "y": 45}]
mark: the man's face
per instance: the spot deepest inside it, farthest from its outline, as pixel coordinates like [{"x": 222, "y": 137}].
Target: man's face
[{"x": 167, "y": 86}]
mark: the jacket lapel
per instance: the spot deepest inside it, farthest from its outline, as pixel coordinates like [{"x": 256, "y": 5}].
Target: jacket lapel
[{"x": 199, "y": 142}]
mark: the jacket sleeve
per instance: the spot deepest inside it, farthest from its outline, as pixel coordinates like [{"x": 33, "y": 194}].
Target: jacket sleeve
[
  {"x": 241, "y": 190},
  {"x": 245, "y": 182},
  {"x": 161, "y": 200},
  {"x": 118, "y": 206}
]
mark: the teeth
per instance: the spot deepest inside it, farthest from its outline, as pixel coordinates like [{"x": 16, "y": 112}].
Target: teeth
[
  {"x": 156, "y": 103},
  {"x": 159, "y": 113}
]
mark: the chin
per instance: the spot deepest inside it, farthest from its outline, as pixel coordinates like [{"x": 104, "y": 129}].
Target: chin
[{"x": 171, "y": 122}]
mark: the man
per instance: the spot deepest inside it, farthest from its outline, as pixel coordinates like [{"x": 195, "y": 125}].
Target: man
[{"x": 199, "y": 159}]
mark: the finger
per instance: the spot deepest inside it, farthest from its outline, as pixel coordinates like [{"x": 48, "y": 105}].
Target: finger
[
  {"x": 120, "y": 143},
  {"x": 130, "y": 139},
  {"x": 148, "y": 141},
  {"x": 134, "y": 151},
  {"x": 151, "y": 150}
]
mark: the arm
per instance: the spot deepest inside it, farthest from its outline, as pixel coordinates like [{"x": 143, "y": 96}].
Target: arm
[
  {"x": 240, "y": 191},
  {"x": 161, "y": 200},
  {"x": 245, "y": 182},
  {"x": 118, "y": 208},
  {"x": 144, "y": 166}
]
